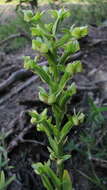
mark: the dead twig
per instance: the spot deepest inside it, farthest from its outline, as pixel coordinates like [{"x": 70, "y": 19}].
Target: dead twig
[
  {"x": 93, "y": 85},
  {"x": 32, "y": 80},
  {"x": 97, "y": 42},
  {"x": 32, "y": 141},
  {"x": 22, "y": 130},
  {"x": 19, "y": 89},
  {"x": 6, "y": 69},
  {"x": 13, "y": 36},
  {"x": 87, "y": 88},
  {"x": 76, "y": 56},
  {"x": 23, "y": 86},
  {"x": 101, "y": 137},
  {"x": 16, "y": 76},
  {"x": 102, "y": 163},
  {"x": 20, "y": 139}
]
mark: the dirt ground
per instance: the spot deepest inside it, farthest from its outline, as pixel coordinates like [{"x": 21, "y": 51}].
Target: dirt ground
[{"x": 19, "y": 93}]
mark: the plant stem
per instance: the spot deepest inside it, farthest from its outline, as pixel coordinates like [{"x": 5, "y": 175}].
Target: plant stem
[{"x": 60, "y": 165}]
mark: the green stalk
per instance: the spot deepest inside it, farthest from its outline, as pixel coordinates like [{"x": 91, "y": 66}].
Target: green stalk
[
  {"x": 53, "y": 63},
  {"x": 60, "y": 166}
]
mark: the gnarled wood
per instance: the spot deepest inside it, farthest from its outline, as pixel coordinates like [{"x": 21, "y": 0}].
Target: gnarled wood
[{"x": 16, "y": 76}]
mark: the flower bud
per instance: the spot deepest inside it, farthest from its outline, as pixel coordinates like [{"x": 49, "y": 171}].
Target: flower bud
[
  {"x": 51, "y": 99},
  {"x": 28, "y": 15},
  {"x": 33, "y": 120},
  {"x": 74, "y": 67}
]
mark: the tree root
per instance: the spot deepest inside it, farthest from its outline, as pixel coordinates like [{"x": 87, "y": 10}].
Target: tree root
[
  {"x": 19, "y": 89},
  {"x": 6, "y": 69},
  {"x": 20, "y": 139},
  {"x": 97, "y": 42},
  {"x": 13, "y": 36},
  {"x": 16, "y": 76},
  {"x": 22, "y": 121},
  {"x": 100, "y": 162}
]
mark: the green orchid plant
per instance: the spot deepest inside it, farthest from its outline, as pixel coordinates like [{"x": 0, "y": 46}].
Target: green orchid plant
[
  {"x": 4, "y": 182},
  {"x": 57, "y": 73}
]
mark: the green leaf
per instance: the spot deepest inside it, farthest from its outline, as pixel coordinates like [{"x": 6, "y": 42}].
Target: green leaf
[
  {"x": 9, "y": 181},
  {"x": 46, "y": 182},
  {"x": 53, "y": 145},
  {"x": 44, "y": 114},
  {"x": 79, "y": 32},
  {"x": 38, "y": 118},
  {"x": 61, "y": 68},
  {"x": 43, "y": 123},
  {"x": 58, "y": 114},
  {"x": 72, "y": 47},
  {"x": 40, "y": 127},
  {"x": 43, "y": 74},
  {"x": 40, "y": 31},
  {"x": 51, "y": 99},
  {"x": 81, "y": 118},
  {"x": 33, "y": 120},
  {"x": 63, "y": 158},
  {"x": 52, "y": 60},
  {"x": 55, "y": 131},
  {"x": 66, "y": 76},
  {"x": 63, "y": 40},
  {"x": 66, "y": 95},
  {"x": 3, "y": 182},
  {"x": 37, "y": 17},
  {"x": 59, "y": 15},
  {"x": 65, "y": 130},
  {"x": 38, "y": 168},
  {"x": 28, "y": 15},
  {"x": 52, "y": 154},
  {"x": 73, "y": 68},
  {"x": 70, "y": 70},
  {"x": 45, "y": 170},
  {"x": 39, "y": 46},
  {"x": 2, "y": 179},
  {"x": 28, "y": 63},
  {"x": 43, "y": 96},
  {"x": 55, "y": 180},
  {"x": 49, "y": 27},
  {"x": 36, "y": 31},
  {"x": 101, "y": 109},
  {"x": 67, "y": 184},
  {"x": 35, "y": 116},
  {"x": 77, "y": 119},
  {"x": 31, "y": 64},
  {"x": 47, "y": 128},
  {"x": 54, "y": 13}
]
